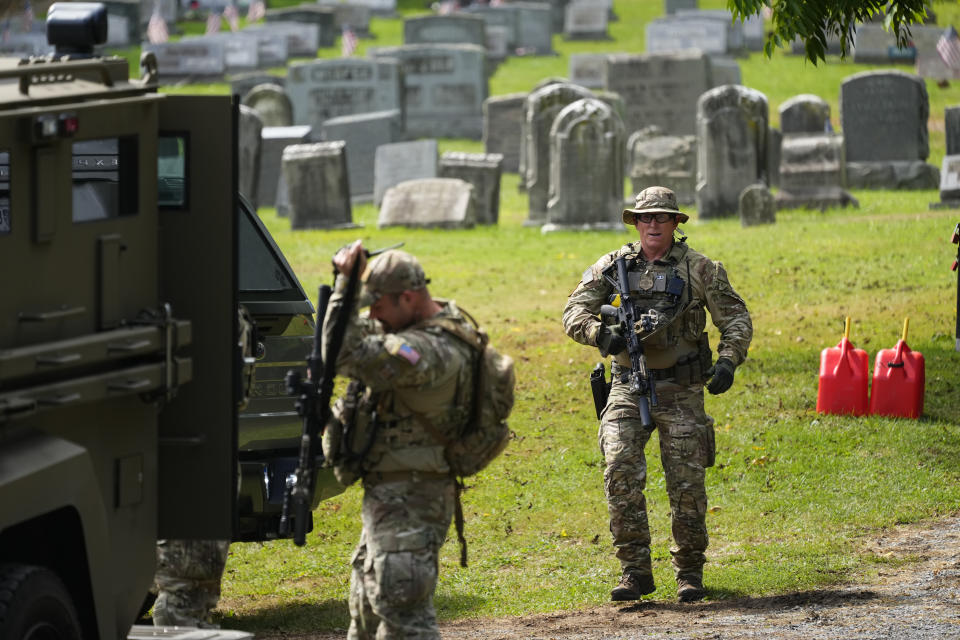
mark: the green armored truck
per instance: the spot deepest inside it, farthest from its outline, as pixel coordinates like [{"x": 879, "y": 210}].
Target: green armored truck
[{"x": 127, "y": 410}]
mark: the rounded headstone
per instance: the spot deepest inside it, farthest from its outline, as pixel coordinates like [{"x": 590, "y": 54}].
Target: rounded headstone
[
  {"x": 805, "y": 113},
  {"x": 272, "y": 103},
  {"x": 757, "y": 206},
  {"x": 248, "y": 144}
]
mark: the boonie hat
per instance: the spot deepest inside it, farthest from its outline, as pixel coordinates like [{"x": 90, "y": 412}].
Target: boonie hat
[
  {"x": 393, "y": 271},
  {"x": 654, "y": 200}
]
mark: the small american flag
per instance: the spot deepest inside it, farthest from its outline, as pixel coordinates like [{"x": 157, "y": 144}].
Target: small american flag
[
  {"x": 27, "y": 17},
  {"x": 232, "y": 16},
  {"x": 348, "y": 42},
  {"x": 157, "y": 28},
  {"x": 948, "y": 46},
  {"x": 256, "y": 11},
  {"x": 213, "y": 23}
]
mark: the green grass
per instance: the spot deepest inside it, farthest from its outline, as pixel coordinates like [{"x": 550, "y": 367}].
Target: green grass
[{"x": 792, "y": 494}]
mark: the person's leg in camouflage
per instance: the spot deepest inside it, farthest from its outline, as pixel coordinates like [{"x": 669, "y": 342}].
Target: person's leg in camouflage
[
  {"x": 622, "y": 440},
  {"x": 404, "y": 525},
  {"x": 188, "y": 581},
  {"x": 684, "y": 451}
]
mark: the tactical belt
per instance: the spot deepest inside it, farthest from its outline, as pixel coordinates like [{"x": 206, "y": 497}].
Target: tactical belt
[
  {"x": 656, "y": 374},
  {"x": 379, "y": 477}
]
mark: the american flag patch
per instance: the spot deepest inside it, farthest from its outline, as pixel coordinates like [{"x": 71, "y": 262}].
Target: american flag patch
[{"x": 409, "y": 354}]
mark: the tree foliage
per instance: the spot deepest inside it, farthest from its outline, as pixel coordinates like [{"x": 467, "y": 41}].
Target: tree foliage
[{"x": 814, "y": 21}]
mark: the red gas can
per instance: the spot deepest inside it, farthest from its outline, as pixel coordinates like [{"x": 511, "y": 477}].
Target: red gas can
[
  {"x": 843, "y": 378},
  {"x": 898, "y": 381}
]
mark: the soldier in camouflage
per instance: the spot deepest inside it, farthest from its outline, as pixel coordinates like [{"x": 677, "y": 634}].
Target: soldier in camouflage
[
  {"x": 674, "y": 286},
  {"x": 188, "y": 581},
  {"x": 412, "y": 384}
]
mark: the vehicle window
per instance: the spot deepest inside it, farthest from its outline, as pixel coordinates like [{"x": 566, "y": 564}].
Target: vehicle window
[
  {"x": 172, "y": 171},
  {"x": 261, "y": 269},
  {"x": 104, "y": 178},
  {"x": 4, "y": 192}
]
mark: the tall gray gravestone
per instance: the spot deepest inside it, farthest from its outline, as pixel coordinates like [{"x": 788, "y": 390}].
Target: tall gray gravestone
[
  {"x": 655, "y": 159},
  {"x": 242, "y": 83},
  {"x": 540, "y": 109},
  {"x": 526, "y": 25},
  {"x": 273, "y": 140},
  {"x": 123, "y": 22},
  {"x": 805, "y": 114},
  {"x": 248, "y": 150},
  {"x": 272, "y": 105},
  {"x": 774, "y": 142},
  {"x": 951, "y": 122},
  {"x": 503, "y": 128},
  {"x": 678, "y": 33},
  {"x": 732, "y": 124},
  {"x": 586, "y": 168},
  {"x": 873, "y": 44},
  {"x": 302, "y": 39},
  {"x": 660, "y": 89},
  {"x": 586, "y": 20},
  {"x": 351, "y": 14},
  {"x": 461, "y": 28},
  {"x": 401, "y": 161},
  {"x": 316, "y": 177},
  {"x": 443, "y": 203},
  {"x": 323, "y": 89},
  {"x": 445, "y": 86},
  {"x": 363, "y": 133},
  {"x": 813, "y": 173},
  {"x": 482, "y": 170},
  {"x": 757, "y": 205},
  {"x": 736, "y": 38},
  {"x": 322, "y": 18}
]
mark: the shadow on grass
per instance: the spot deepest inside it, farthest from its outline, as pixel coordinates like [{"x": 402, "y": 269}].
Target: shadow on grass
[
  {"x": 293, "y": 617},
  {"x": 725, "y": 599}
]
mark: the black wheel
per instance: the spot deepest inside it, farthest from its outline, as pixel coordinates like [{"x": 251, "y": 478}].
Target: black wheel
[{"x": 34, "y": 605}]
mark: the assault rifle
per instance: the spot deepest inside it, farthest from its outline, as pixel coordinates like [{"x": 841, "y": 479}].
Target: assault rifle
[
  {"x": 640, "y": 381},
  {"x": 955, "y": 239}
]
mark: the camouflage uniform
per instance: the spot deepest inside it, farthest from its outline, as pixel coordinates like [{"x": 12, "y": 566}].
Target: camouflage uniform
[
  {"x": 418, "y": 372},
  {"x": 188, "y": 581},
  {"x": 686, "y": 431}
]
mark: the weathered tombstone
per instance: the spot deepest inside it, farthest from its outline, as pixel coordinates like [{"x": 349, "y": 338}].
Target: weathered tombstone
[
  {"x": 363, "y": 133},
  {"x": 586, "y": 20},
  {"x": 302, "y": 39},
  {"x": 444, "y": 29},
  {"x": 612, "y": 100},
  {"x": 660, "y": 89},
  {"x": 872, "y": 44},
  {"x": 558, "y": 12},
  {"x": 316, "y": 177},
  {"x": 482, "y": 170},
  {"x": 655, "y": 159},
  {"x": 724, "y": 70},
  {"x": 672, "y": 6},
  {"x": 444, "y": 203},
  {"x": 735, "y": 28},
  {"x": 732, "y": 124},
  {"x": 401, "y": 161},
  {"x": 757, "y": 205},
  {"x": 350, "y": 14},
  {"x": 445, "y": 86},
  {"x": 248, "y": 150},
  {"x": 123, "y": 22},
  {"x": 273, "y": 140},
  {"x": 774, "y": 142},
  {"x": 328, "y": 88},
  {"x": 271, "y": 103},
  {"x": 503, "y": 128},
  {"x": 951, "y": 121},
  {"x": 587, "y": 69},
  {"x": 676, "y": 33},
  {"x": 949, "y": 183},
  {"x": 540, "y": 109},
  {"x": 321, "y": 17},
  {"x": 240, "y": 52},
  {"x": 242, "y": 83},
  {"x": 805, "y": 114},
  {"x": 272, "y": 46},
  {"x": 534, "y": 29},
  {"x": 813, "y": 173},
  {"x": 586, "y": 168},
  {"x": 188, "y": 59}
]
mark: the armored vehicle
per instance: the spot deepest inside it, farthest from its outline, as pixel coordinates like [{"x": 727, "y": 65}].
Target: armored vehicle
[{"x": 126, "y": 256}]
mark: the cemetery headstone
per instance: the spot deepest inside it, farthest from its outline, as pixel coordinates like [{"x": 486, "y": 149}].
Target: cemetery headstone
[
  {"x": 482, "y": 170},
  {"x": 929, "y": 62},
  {"x": 381, "y": 8},
  {"x": 656, "y": 159},
  {"x": 732, "y": 124},
  {"x": 951, "y": 121},
  {"x": 444, "y": 203},
  {"x": 351, "y": 14},
  {"x": 586, "y": 20},
  {"x": 189, "y": 59},
  {"x": 757, "y": 205},
  {"x": 461, "y": 28},
  {"x": 677, "y": 33},
  {"x": 660, "y": 89},
  {"x": 949, "y": 183},
  {"x": 558, "y": 12},
  {"x": 672, "y": 6},
  {"x": 363, "y": 133},
  {"x": 445, "y": 86},
  {"x": 242, "y": 83},
  {"x": 240, "y": 52},
  {"x": 587, "y": 69},
  {"x": 123, "y": 22},
  {"x": 774, "y": 143},
  {"x": 805, "y": 114},
  {"x": 527, "y": 25},
  {"x": 586, "y": 168},
  {"x": 248, "y": 147},
  {"x": 316, "y": 177},
  {"x": 302, "y": 39},
  {"x": 724, "y": 70},
  {"x": 332, "y": 87},
  {"x": 872, "y": 44},
  {"x": 401, "y": 161},
  {"x": 503, "y": 128},
  {"x": 321, "y": 17},
  {"x": 271, "y": 103},
  {"x": 30, "y": 44},
  {"x": 736, "y": 42},
  {"x": 540, "y": 109},
  {"x": 273, "y": 140},
  {"x": 813, "y": 173}
]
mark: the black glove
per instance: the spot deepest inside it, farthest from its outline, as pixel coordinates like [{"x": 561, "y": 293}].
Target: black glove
[
  {"x": 721, "y": 376},
  {"x": 610, "y": 341}
]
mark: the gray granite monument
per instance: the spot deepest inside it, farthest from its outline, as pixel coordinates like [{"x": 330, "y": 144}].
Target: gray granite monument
[
  {"x": 363, "y": 133},
  {"x": 805, "y": 114},
  {"x": 656, "y": 159},
  {"x": 273, "y": 140},
  {"x": 401, "y": 161},
  {"x": 316, "y": 178},
  {"x": 503, "y": 128},
  {"x": 444, "y": 203},
  {"x": 813, "y": 173},
  {"x": 272, "y": 105},
  {"x": 757, "y": 205},
  {"x": 482, "y": 171}
]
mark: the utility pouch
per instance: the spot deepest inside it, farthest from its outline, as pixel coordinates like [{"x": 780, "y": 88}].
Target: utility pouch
[
  {"x": 709, "y": 445},
  {"x": 684, "y": 368},
  {"x": 600, "y": 387},
  {"x": 706, "y": 355}
]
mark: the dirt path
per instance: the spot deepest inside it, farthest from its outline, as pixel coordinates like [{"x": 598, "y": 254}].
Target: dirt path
[{"x": 919, "y": 599}]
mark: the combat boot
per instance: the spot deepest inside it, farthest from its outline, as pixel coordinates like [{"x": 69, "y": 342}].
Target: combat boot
[
  {"x": 632, "y": 585},
  {"x": 690, "y": 587}
]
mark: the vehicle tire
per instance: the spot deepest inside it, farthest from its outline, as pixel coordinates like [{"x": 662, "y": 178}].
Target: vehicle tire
[{"x": 34, "y": 605}]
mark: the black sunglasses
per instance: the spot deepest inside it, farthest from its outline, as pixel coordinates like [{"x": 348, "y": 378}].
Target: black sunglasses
[{"x": 647, "y": 218}]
